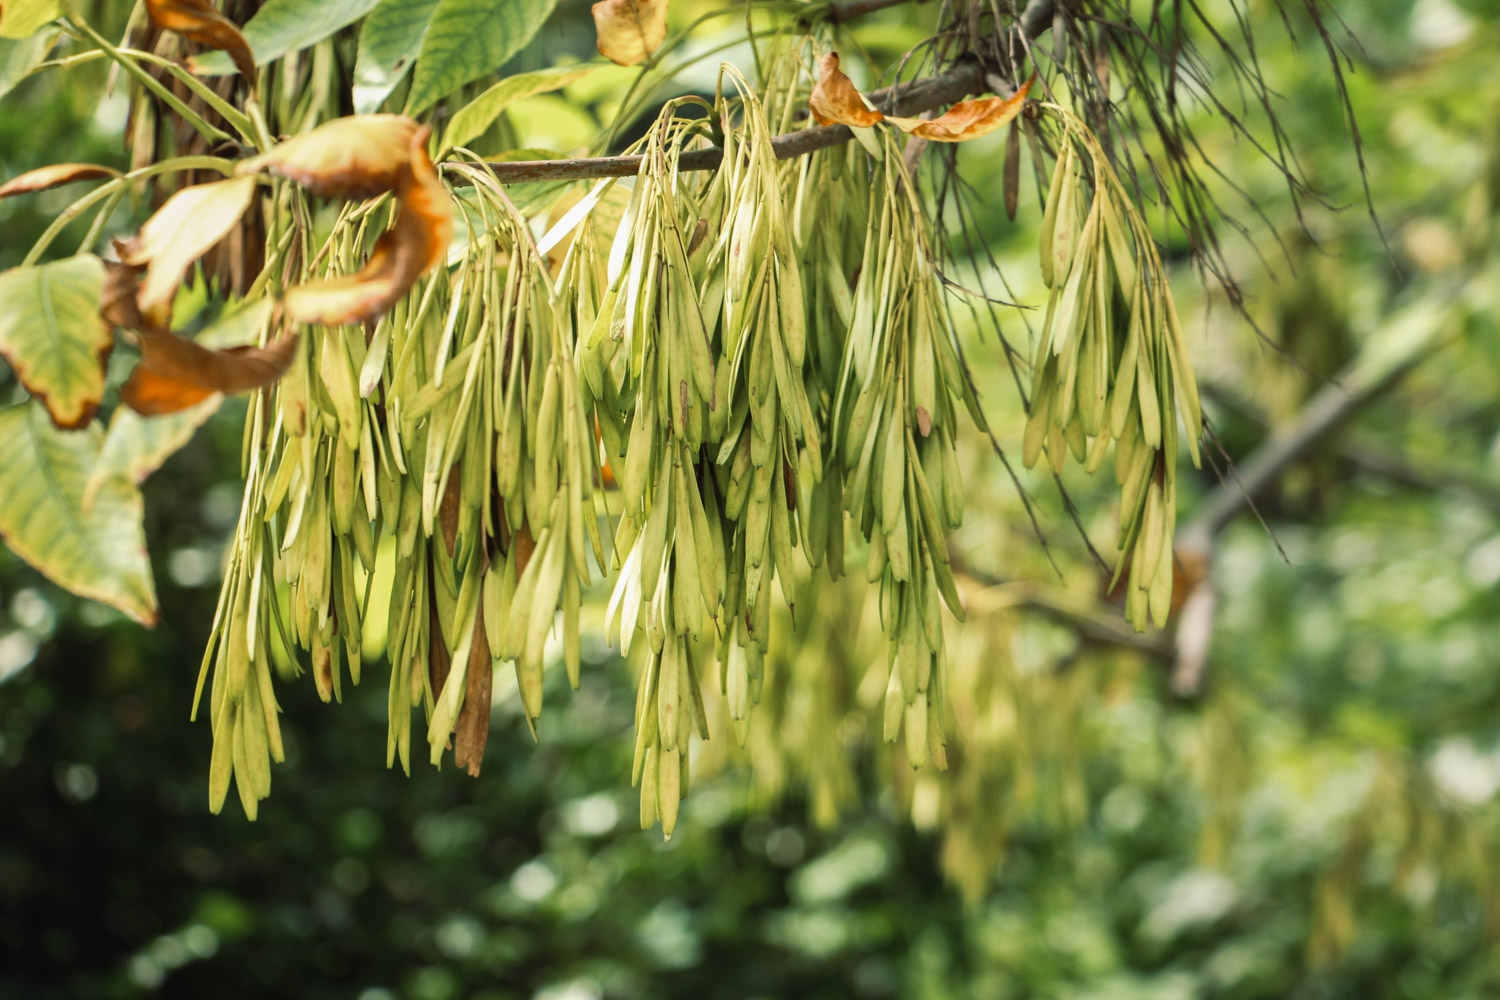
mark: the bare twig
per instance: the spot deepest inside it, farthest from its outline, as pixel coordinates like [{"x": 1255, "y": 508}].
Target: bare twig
[
  {"x": 911, "y": 98},
  {"x": 848, "y": 10},
  {"x": 1093, "y": 621}
]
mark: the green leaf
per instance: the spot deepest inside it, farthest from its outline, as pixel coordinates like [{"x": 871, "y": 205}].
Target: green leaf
[
  {"x": 136, "y": 446},
  {"x": 388, "y": 46},
  {"x": 99, "y": 554},
  {"x": 20, "y": 57},
  {"x": 283, "y": 26},
  {"x": 468, "y": 39},
  {"x": 480, "y": 113},
  {"x": 51, "y": 334},
  {"x": 24, "y": 18}
]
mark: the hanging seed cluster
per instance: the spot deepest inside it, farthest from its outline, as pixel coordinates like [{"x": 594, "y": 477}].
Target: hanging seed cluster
[
  {"x": 452, "y": 432},
  {"x": 895, "y": 416},
  {"x": 747, "y": 374},
  {"x": 1111, "y": 364}
]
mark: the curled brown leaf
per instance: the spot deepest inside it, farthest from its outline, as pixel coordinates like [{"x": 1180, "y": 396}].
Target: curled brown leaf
[
  {"x": 56, "y": 175},
  {"x": 968, "y": 119},
  {"x": 175, "y": 373},
  {"x": 834, "y": 99},
  {"x": 416, "y": 244},
  {"x": 196, "y": 20},
  {"x": 630, "y": 30},
  {"x": 358, "y": 157}
]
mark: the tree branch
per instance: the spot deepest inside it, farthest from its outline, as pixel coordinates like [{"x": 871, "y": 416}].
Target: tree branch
[
  {"x": 1412, "y": 331},
  {"x": 904, "y": 99},
  {"x": 907, "y": 99},
  {"x": 848, "y": 10}
]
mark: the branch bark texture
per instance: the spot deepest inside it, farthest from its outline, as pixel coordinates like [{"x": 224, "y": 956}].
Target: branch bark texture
[{"x": 903, "y": 99}]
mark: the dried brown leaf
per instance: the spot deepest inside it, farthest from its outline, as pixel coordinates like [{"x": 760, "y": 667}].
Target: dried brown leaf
[
  {"x": 191, "y": 222},
  {"x": 56, "y": 175},
  {"x": 630, "y": 30},
  {"x": 835, "y": 100},
  {"x": 196, "y": 20},
  {"x": 175, "y": 373},
  {"x": 358, "y": 157},
  {"x": 415, "y": 245},
  {"x": 968, "y": 119},
  {"x": 472, "y": 730}
]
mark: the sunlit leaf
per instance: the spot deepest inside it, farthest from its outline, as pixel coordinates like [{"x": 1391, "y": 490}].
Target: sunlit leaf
[
  {"x": 24, "y": 18},
  {"x": 835, "y": 101},
  {"x": 416, "y": 244},
  {"x": 630, "y": 30},
  {"x": 968, "y": 119},
  {"x": 467, "y": 39},
  {"x": 358, "y": 157},
  {"x": 100, "y": 553},
  {"x": 181, "y": 231},
  {"x": 136, "y": 446},
  {"x": 198, "y": 21},
  {"x": 480, "y": 113},
  {"x": 51, "y": 334},
  {"x": 56, "y": 175},
  {"x": 18, "y": 57},
  {"x": 282, "y": 26},
  {"x": 388, "y": 45}
]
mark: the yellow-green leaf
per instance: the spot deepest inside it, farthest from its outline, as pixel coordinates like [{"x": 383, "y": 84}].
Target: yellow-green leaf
[
  {"x": 480, "y": 113},
  {"x": 24, "y": 18},
  {"x": 51, "y": 334},
  {"x": 20, "y": 57},
  {"x": 99, "y": 554},
  {"x": 136, "y": 446}
]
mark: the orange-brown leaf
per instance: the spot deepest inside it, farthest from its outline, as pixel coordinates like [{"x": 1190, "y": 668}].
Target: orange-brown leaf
[
  {"x": 358, "y": 157},
  {"x": 968, "y": 119},
  {"x": 416, "y": 244},
  {"x": 175, "y": 373},
  {"x": 835, "y": 100},
  {"x": 196, "y": 20},
  {"x": 630, "y": 30},
  {"x": 54, "y": 176}
]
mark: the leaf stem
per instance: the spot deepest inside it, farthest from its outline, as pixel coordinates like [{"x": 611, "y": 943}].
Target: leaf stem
[
  {"x": 73, "y": 211},
  {"x": 209, "y": 132}
]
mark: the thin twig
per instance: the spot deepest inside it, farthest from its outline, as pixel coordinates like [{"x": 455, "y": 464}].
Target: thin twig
[
  {"x": 848, "y": 10},
  {"x": 904, "y": 99},
  {"x": 920, "y": 95}
]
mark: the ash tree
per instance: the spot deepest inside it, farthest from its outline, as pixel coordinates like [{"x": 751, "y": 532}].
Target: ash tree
[{"x": 667, "y": 388}]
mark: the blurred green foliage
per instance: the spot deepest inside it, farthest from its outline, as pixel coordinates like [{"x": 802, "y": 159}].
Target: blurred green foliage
[{"x": 1321, "y": 823}]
